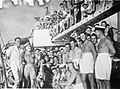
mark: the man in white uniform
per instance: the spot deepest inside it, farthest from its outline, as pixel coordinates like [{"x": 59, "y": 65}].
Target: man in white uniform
[
  {"x": 103, "y": 63},
  {"x": 14, "y": 54}
]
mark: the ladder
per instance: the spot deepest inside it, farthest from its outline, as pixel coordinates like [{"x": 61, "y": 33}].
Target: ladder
[{"x": 3, "y": 77}]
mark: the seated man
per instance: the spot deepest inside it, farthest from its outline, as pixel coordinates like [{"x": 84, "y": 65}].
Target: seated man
[
  {"x": 56, "y": 78},
  {"x": 74, "y": 82}
]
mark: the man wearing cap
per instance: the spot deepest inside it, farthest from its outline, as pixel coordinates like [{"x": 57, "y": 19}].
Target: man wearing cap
[
  {"x": 103, "y": 63},
  {"x": 87, "y": 61}
]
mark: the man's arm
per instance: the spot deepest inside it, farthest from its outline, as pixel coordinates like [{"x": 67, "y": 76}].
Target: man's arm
[
  {"x": 8, "y": 52},
  {"x": 93, "y": 50},
  {"x": 110, "y": 46},
  {"x": 70, "y": 81},
  {"x": 70, "y": 56},
  {"x": 80, "y": 53}
]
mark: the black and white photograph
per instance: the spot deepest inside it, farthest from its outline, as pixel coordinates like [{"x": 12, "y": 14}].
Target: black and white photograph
[{"x": 59, "y": 44}]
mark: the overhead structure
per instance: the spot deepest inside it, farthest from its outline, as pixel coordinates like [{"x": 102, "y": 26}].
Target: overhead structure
[
  {"x": 6, "y": 3},
  {"x": 102, "y": 13}
]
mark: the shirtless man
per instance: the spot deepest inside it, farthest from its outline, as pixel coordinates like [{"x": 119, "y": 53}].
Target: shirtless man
[
  {"x": 75, "y": 53},
  {"x": 66, "y": 55},
  {"x": 29, "y": 70},
  {"x": 87, "y": 61},
  {"x": 103, "y": 63},
  {"x": 75, "y": 77}
]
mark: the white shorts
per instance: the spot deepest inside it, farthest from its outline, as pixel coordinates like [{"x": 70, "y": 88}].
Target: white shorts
[
  {"x": 86, "y": 63},
  {"x": 103, "y": 66}
]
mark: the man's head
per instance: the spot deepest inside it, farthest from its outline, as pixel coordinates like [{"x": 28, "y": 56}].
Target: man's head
[
  {"x": 46, "y": 58},
  {"x": 28, "y": 48},
  {"x": 99, "y": 30},
  {"x": 83, "y": 36},
  {"x": 55, "y": 53},
  {"x": 85, "y": 5},
  {"x": 56, "y": 49},
  {"x": 94, "y": 38},
  {"x": 54, "y": 70},
  {"x": 88, "y": 30},
  {"x": 65, "y": 3},
  {"x": 38, "y": 54},
  {"x": 37, "y": 51},
  {"x": 61, "y": 5},
  {"x": 88, "y": 36},
  {"x": 67, "y": 46},
  {"x": 17, "y": 41},
  {"x": 104, "y": 23},
  {"x": 73, "y": 43},
  {"x": 63, "y": 68},
  {"x": 46, "y": 8},
  {"x": 55, "y": 58},
  {"x": 50, "y": 53},
  {"x": 55, "y": 12},
  {"x": 79, "y": 41}
]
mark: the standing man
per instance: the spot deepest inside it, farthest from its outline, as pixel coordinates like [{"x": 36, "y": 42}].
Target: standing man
[
  {"x": 87, "y": 61},
  {"x": 47, "y": 11},
  {"x": 66, "y": 58},
  {"x": 94, "y": 40},
  {"x": 29, "y": 71},
  {"x": 103, "y": 63},
  {"x": 75, "y": 53},
  {"x": 14, "y": 54}
]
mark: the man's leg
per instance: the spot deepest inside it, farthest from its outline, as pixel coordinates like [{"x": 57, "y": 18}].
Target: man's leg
[
  {"x": 99, "y": 84},
  {"x": 84, "y": 80},
  {"x": 16, "y": 75},
  {"x": 32, "y": 77},
  {"x": 107, "y": 84},
  {"x": 91, "y": 80}
]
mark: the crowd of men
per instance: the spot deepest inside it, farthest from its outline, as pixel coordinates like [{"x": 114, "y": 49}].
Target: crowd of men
[
  {"x": 87, "y": 56},
  {"x": 70, "y": 13},
  {"x": 73, "y": 11}
]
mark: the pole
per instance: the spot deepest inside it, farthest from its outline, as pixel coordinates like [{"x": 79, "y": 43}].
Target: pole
[
  {"x": 2, "y": 39},
  {"x": 4, "y": 71}
]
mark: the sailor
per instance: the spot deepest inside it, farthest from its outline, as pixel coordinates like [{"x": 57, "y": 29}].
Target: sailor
[
  {"x": 103, "y": 63},
  {"x": 87, "y": 61}
]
